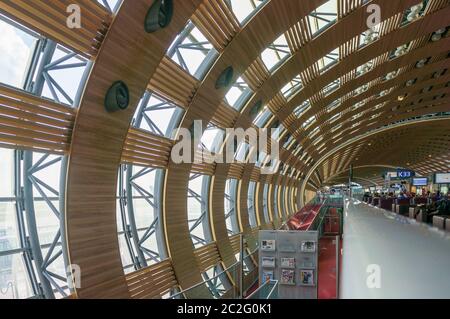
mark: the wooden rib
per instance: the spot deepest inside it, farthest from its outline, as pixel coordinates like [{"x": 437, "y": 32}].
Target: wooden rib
[
  {"x": 256, "y": 74},
  {"x": 50, "y": 20},
  {"x": 34, "y": 123},
  {"x": 172, "y": 82},
  {"x": 146, "y": 149},
  {"x": 216, "y": 22},
  {"x": 207, "y": 256},
  {"x": 225, "y": 116},
  {"x": 152, "y": 282}
]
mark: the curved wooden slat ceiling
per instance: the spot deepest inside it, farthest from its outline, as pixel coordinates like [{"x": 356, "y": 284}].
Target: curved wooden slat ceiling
[{"x": 97, "y": 141}]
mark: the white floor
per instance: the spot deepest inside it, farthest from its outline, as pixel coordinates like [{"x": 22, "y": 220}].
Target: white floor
[{"x": 390, "y": 256}]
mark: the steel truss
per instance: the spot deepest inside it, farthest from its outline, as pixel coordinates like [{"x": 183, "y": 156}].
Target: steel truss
[
  {"x": 32, "y": 181},
  {"x": 139, "y": 240},
  {"x": 231, "y": 217},
  {"x": 201, "y": 221},
  {"x": 193, "y": 44}
]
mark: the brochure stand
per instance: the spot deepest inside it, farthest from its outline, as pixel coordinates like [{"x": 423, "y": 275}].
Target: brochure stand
[{"x": 291, "y": 257}]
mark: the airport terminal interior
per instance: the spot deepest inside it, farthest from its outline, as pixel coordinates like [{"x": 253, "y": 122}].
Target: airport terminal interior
[{"x": 116, "y": 116}]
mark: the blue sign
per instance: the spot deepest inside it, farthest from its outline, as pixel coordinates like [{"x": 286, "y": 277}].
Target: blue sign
[{"x": 404, "y": 174}]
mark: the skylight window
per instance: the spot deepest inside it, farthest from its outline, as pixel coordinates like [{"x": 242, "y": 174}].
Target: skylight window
[
  {"x": 212, "y": 139},
  {"x": 375, "y": 116},
  {"x": 323, "y": 17},
  {"x": 278, "y": 132},
  {"x": 333, "y": 86},
  {"x": 414, "y": 12},
  {"x": 276, "y": 53},
  {"x": 111, "y": 5},
  {"x": 197, "y": 209},
  {"x": 245, "y": 9},
  {"x": 333, "y": 105},
  {"x": 366, "y": 67},
  {"x": 335, "y": 117},
  {"x": 56, "y": 73},
  {"x": 192, "y": 51},
  {"x": 355, "y": 124},
  {"x": 238, "y": 94},
  {"x": 379, "y": 106},
  {"x": 301, "y": 109},
  {"x": 370, "y": 35},
  {"x": 289, "y": 142},
  {"x": 363, "y": 88},
  {"x": 261, "y": 158},
  {"x": 328, "y": 60},
  {"x": 292, "y": 86},
  {"x": 242, "y": 152},
  {"x": 157, "y": 115},
  {"x": 16, "y": 48},
  {"x": 309, "y": 122},
  {"x": 63, "y": 75},
  {"x": 357, "y": 105},
  {"x": 314, "y": 132},
  {"x": 262, "y": 118}
]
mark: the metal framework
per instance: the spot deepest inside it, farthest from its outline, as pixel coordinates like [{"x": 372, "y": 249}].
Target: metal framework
[
  {"x": 199, "y": 225},
  {"x": 370, "y": 80},
  {"x": 39, "y": 195},
  {"x": 188, "y": 46},
  {"x": 251, "y": 205},
  {"x": 231, "y": 217}
]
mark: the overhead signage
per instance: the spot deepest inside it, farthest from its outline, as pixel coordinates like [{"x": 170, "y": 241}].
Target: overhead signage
[
  {"x": 420, "y": 181},
  {"x": 400, "y": 174},
  {"x": 442, "y": 178},
  {"x": 405, "y": 174}
]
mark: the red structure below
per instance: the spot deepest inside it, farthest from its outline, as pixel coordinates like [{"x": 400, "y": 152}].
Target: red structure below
[
  {"x": 327, "y": 268},
  {"x": 304, "y": 218}
]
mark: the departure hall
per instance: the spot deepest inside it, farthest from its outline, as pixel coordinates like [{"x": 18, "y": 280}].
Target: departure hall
[{"x": 224, "y": 149}]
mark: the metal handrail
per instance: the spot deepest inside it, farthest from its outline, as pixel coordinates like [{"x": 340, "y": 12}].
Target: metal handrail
[
  {"x": 212, "y": 278},
  {"x": 273, "y": 289},
  {"x": 204, "y": 282},
  {"x": 275, "y": 285}
]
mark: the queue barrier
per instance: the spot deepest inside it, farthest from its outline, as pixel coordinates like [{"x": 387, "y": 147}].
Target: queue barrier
[
  {"x": 386, "y": 203},
  {"x": 376, "y": 201},
  {"x": 402, "y": 207},
  {"x": 442, "y": 222},
  {"x": 439, "y": 222}
]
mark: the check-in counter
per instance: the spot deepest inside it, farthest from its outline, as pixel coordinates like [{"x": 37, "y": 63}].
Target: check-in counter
[
  {"x": 439, "y": 222},
  {"x": 403, "y": 206},
  {"x": 413, "y": 211},
  {"x": 376, "y": 201},
  {"x": 386, "y": 203}
]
